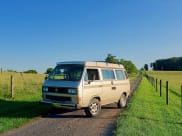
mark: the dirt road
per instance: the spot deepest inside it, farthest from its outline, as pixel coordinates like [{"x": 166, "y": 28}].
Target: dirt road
[{"x": 62, "y": 122}]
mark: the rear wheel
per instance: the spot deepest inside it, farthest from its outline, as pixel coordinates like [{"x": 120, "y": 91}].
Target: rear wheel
[
  {"x": 123, "y": 101},
  {"x": 94, "y": 108}
]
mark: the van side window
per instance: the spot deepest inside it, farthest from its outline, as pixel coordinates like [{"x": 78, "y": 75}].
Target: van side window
[
  {"x": 107, "y": 74},
  {"x": 120, "y": 75},
  {"x": 92, "y": 74}
]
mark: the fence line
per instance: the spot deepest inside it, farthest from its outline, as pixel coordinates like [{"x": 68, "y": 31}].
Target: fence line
[
  {"x": 13, "y": 83},
  {"x": 154, "y": 83},
  {"x": 135, "y": 83}
]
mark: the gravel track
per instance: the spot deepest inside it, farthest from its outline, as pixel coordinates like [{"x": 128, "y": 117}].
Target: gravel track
[{"x": 62, "y": 122}]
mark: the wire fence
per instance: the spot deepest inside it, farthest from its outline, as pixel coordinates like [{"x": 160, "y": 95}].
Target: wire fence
[
  {"x": 164, "y": 89},
  {"x": 15, "y": 85}
]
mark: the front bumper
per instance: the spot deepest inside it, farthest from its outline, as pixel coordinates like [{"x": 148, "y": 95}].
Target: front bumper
[{"x": 62, "y": 104}]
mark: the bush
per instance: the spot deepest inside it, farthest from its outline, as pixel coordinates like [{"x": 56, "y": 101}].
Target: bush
[{"x": 31, "y": 71}]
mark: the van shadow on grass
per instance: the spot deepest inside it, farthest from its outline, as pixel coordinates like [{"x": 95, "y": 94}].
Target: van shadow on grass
[{"x": 27, "y": 109}]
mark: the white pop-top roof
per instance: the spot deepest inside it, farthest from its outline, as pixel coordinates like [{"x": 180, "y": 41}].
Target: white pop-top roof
[{"x": 93, "y": 64}]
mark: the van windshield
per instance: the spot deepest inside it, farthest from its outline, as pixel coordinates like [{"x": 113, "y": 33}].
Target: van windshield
[{"x": 67, "y": 72}]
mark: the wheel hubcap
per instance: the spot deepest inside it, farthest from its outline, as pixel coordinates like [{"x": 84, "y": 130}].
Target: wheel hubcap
[{"x": 94, "y": 108}]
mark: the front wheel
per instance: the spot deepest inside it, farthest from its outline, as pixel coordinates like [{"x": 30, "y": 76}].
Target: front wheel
[
  {"x": 94, "y": 108},
  {"x": 123, "y": 101}
]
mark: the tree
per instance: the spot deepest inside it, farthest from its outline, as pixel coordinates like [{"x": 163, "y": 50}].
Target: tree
[
  {"x": 111, "y": 59},
  {"x": 32, "y": 71},
  {"x": 49, "y": 70},
  {"x": 129, "y": 66},
  {"x": 146, "y": 67},
  {"x": 174, "y": 63}
]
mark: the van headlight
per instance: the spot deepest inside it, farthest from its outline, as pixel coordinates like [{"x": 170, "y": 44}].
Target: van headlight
[
  {"x": 45, "y": 89},
  {"x": 72, "y": 91}
]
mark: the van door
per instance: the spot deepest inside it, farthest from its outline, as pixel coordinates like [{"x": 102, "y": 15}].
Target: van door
[
  {"x": 122, "y": 83},
  {"x": 109, "y": 86},
  {"x": 92, "y": 86}
]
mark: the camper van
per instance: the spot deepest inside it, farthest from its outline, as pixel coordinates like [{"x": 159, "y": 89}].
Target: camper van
[{"x": 87, "y": 85}]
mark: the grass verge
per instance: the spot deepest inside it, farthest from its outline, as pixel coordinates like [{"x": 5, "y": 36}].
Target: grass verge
[
  {"x": 148, "y": 115},
  {"x": 25, "y": 106},
  {"x": 16, "y": 113}
]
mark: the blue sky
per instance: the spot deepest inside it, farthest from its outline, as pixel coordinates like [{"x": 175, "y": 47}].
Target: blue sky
[{"x": 35, "y": 34}]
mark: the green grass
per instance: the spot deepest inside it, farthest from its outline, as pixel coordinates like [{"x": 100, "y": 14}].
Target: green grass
[
  {"x": 133, "y": 76},
  {"x": 16, "y": 111},
  {"x": 147, "y": 115}
]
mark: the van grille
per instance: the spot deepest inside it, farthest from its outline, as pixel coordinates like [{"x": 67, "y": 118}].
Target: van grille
[
  {"x": 58, "y": 90},
  {"x": 58, "y": 98}
]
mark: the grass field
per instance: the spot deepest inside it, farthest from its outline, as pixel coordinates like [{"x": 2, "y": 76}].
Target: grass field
[
  {"x": 25, "y": 105},
  {"x": 174, "y": 78},
  {"x": 26, "y": 86},
  {"x": 147, "y": 115}
]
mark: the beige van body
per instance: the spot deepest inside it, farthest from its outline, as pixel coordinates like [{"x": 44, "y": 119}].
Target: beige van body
[{"x": 87, "y": 85}]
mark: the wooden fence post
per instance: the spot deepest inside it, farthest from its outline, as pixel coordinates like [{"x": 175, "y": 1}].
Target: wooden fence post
[
  {"x": 12, "y": 86},
  {"x": 181, "y": 96},
  {"x": 160, "y": 88},
  {"x": 167, "y": 93},
  {"x": 156, "y": 85}
]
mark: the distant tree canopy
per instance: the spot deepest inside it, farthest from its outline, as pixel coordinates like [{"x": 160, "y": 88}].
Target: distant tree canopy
[
  {"x": 31, "y": 71},
  {"x": 146, "y": 67},
  {"x": 11, "y": 70},
  {"x": 49, "y": 70},
  {"x": 174, "y": 63},
  {"x": 129, "y": 66}
]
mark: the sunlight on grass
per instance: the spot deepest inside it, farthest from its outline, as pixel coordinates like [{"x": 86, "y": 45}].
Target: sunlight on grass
[
  {"x": 174, "y": 78},
  {"x": 148, "y": 115}
]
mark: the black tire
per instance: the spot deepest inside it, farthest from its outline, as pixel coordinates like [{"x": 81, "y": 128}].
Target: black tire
[
  {"x": 122, "y": 103},
  {"x": 93, "y": 109}
]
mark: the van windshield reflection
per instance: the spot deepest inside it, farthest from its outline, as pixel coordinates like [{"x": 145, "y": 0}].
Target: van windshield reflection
[{"x": 67, "y": 72}]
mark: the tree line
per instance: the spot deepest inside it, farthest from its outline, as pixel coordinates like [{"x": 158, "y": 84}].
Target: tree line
[
  {"x": 128, "y": 64},
  {"x": 173, "y": 64}
]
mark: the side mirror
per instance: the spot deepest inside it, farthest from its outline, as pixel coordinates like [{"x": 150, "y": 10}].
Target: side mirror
[{"x": 46, "y": 77}]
